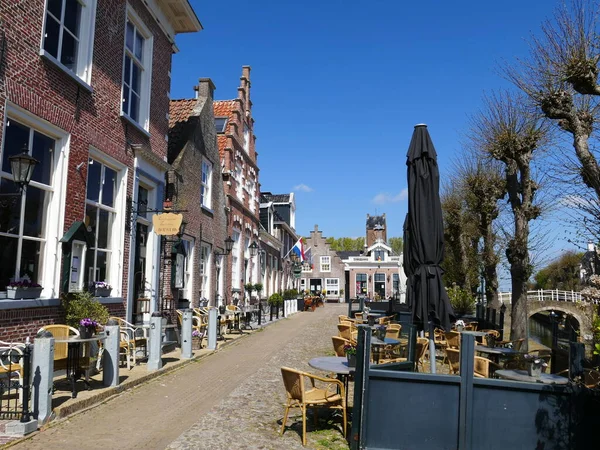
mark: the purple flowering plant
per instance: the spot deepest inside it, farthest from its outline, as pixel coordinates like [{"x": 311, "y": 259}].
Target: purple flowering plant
[
  {"x": 87, "y": 322},
  {"x": 100, "y": 285},
  {"x": 349, "y": 349},
  {"x": 23, "y": 284}
]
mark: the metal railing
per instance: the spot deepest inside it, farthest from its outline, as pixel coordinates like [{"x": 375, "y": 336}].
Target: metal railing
[
  {"x": 549, "y": 295},
  {"x": 15, "y": 381}
]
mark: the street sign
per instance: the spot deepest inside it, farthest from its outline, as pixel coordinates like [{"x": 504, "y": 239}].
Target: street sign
[{"x": 167, "y": 224}]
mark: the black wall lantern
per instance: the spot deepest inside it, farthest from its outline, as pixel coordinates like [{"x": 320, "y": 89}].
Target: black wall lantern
[
  {"x": 253, "y": 249},
  {"x": 22, "y": 166}
]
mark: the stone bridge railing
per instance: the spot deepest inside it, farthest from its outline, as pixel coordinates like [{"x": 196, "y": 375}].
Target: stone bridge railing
[{"x": 549, "y": 295}]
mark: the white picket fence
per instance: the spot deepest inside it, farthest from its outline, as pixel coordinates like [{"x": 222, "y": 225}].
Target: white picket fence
[{"x": 548, "y": 295}]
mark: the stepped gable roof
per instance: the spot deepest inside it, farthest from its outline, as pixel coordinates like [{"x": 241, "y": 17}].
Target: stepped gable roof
[{"x": 180, "y": 110}]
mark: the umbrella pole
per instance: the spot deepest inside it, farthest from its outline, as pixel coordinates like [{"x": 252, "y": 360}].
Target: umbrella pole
[{"x": 431, "y": 347}]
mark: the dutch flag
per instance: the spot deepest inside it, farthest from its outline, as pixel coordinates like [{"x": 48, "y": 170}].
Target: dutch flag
[{"x": 298, "y": 249}]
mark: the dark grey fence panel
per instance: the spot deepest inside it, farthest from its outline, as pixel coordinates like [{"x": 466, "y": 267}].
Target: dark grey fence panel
[
  {"x": 412, "y": 409},
  {"x": 519, "y": 415},
  {"x": 407, "y": 410}
]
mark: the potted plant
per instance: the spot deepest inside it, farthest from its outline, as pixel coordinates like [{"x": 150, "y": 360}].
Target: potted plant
[
  {"x": 23, "y": 289},
  {"x": 249, "y": 287},
  {"x": 350, "y": 351},
  {"x": 536, "y": 365},
  {"x": 100, "y": 288},
  {"x": 87, "y": 328},
  {"x": 83, "y": 305},
  {"x": 258, "y": 287},
  {"x": 196, "y": 340}
]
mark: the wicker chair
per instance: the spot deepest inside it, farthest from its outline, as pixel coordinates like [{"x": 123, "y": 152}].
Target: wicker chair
[
  {"x": 452, "y": 339},
  {"x": 345, "y": 331},
  {"x": 421, "y": 349},
  {"x": 453, "y": 358},
  {"x": 313, "y": 397},
  {"x": 197, "y": 324},
  {"x": 61, "y": 349},
  {"x": 338, "y": 345},
  {"x": 393, "y": 331},
  {"x": 484, "y": 368}
]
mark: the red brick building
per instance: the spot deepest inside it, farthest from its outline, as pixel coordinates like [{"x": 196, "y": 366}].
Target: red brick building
[
  {"x": 200, "y": 260},
  {"x": 235, "y": 129},
  {"x": 84, "y": 88}
]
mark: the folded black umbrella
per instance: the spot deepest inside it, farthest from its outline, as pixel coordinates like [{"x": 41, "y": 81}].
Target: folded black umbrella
[{"x": 424, "y": 235}]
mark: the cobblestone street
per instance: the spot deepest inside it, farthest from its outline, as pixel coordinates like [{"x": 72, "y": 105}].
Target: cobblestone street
[{"x": 232, "y": 399}]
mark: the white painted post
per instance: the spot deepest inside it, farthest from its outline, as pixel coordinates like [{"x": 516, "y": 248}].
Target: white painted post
[
  {"x": 186, "y": 334},
  {"x": 212, "y": 328},
  {"x": 110, "y": 363},
  {"x": 42, "y": 374},
  {"x": 155, "y": 344}
]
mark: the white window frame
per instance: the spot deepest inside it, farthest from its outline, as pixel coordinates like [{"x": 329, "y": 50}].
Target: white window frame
[
  {"x": 226, "y": 121},
  {"x": 85, "y": 49},
  {"x": 252, "y": 194},
  {"x": 325, "y": 263},
  {"x": 236, "y": 259},
  {"x": 246, "y": 138},
  {"x": 205, "y": 185},
  {"x": 115, "y": 274},
  {"x": 152, "y": 244},
  {"x": 50, "y": 273},
  {"x": 204, "y": 269},
  {"x": 146, "y": 77},
  {"x": 332, "y": 287}
]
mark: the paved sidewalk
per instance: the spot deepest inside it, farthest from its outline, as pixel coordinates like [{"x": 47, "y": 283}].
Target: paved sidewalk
[{"x": 231, "y": 399}]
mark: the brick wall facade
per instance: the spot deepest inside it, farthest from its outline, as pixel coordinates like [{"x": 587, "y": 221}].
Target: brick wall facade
[
  {"x": 231, "y": 149},
  {"x": 92, "y": 119}
]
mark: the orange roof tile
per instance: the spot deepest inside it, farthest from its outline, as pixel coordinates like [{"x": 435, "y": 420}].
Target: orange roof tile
[
  {"x": 180, "y": 110},
  {"x": 224, "y": 108}
]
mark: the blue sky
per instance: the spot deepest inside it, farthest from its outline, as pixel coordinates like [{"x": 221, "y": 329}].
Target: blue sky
[{"x": 337, "y": 87}]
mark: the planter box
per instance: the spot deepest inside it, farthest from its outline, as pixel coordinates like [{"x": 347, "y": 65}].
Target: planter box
[
  {"x": 101, "y": 292},
  {"x": 20, "y": 292}
]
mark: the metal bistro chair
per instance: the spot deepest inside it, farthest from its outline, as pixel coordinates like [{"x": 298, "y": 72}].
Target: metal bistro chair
[{"x": 11, "y": 364}]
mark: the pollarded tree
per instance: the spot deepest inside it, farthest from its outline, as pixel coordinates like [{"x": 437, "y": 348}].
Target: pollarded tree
[
  {"x": 484, "y": 186},
  {"x": 461, "y": 260},
  {"x": 561, "y": 78},
  {"x": 507, "y": 131}
]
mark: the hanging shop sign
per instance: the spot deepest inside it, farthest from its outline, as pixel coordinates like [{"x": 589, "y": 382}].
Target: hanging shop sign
[{"x": 167, "y": 224}]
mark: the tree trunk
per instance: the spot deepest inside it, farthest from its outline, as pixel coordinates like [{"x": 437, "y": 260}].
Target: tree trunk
[
  {"x": 520, "y": 195},
  {"x": 489, "y": 267}
]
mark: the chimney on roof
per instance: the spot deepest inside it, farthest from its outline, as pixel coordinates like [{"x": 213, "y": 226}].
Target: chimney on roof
[{"x": 206, "y": 89}]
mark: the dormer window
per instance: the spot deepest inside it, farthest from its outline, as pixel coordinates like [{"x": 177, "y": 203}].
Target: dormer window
[
  {"x": 379, "y": 255},
  {"x": 221, "y": 124}
]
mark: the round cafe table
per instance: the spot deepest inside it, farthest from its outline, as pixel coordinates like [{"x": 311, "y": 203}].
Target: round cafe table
[
  {"x": 74, "y": 356},
  {"x": 335, "y": 364},
  {"x": 496, "y": 353},
  {"x": 522, "y": 375}
]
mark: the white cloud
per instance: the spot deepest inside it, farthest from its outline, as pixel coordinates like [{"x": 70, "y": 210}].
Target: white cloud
[
  {"x": 383, "y": 197},
  {"x": 302, "y": 188}
]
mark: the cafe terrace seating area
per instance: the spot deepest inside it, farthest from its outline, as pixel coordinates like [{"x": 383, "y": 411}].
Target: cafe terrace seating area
[
  {"x": 78, "y": 362},
  {"x": 396, "y": 347}
]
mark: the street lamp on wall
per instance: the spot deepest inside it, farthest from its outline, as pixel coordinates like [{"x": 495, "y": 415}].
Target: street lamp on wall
[
  {"x": 253, "y": 249},
  {"x": 22, "y": 166},
  {"x": 228, "y": 247}
]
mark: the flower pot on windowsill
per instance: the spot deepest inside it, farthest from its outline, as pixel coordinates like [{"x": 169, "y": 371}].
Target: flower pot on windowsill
[
  {"x": 101, "y": 292},
  {"x": 23, "y": 292}
]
